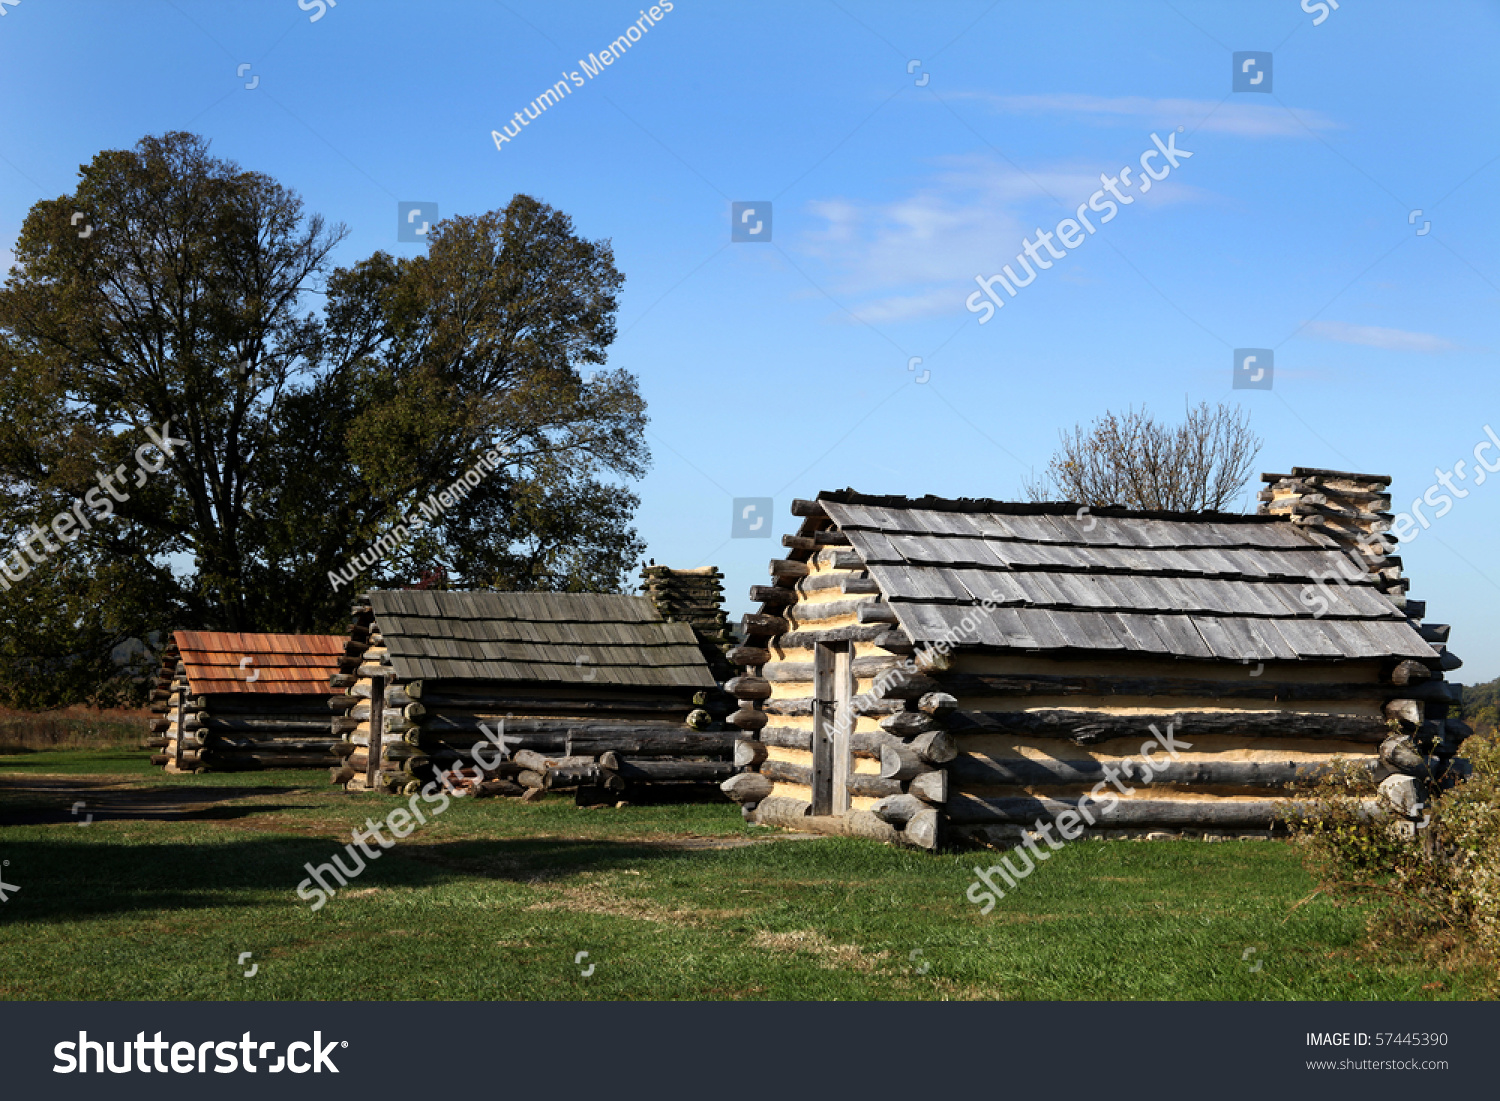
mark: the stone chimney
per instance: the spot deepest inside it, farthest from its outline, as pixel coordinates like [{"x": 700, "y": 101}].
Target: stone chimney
[{"x": 694, "y": 597}]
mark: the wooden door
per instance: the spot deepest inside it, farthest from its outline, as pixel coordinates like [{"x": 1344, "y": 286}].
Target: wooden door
[{"x": 833, "y": 693}]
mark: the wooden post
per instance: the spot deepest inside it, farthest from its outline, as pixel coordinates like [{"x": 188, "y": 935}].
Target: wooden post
[
  {"x": 181, "y": 724},
  {"x": 377, "y": 731},
  {"x": 825, "y": 716}
]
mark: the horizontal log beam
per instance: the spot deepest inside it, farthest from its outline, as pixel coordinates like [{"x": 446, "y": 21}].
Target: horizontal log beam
[
  {"x": 1092, "y": 727},
  {"x": 974, "y": 771},
  {"x": 1212, "y": 813},
  {"x": 1235, "y": 685}
]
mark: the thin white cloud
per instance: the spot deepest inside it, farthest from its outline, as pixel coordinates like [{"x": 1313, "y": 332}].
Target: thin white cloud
[
  {"x": 1372, "y": 336},
  {"x": 917, "y": 256},
  {"x": 1245, "y": 118}
]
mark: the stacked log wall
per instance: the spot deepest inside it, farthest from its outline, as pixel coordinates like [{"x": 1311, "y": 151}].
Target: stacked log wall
[
  {"x": 1018, "y": 738},
  {"x": 822, "y": 593},
  {"x": 234, "y": 732},
  {"x": 605, "y": 743}
]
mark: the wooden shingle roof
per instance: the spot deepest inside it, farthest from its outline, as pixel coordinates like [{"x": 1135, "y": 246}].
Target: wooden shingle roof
[
  {"x": 1209, "y": 585},
  {"x": 280, "y": 664},
  {"x": 562, "y": 638}
]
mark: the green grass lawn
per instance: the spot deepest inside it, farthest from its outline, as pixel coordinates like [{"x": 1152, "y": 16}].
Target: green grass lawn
[{"x": 177, "y": 876}]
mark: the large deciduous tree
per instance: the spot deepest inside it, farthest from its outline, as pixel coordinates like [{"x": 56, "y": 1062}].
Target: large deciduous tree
[
  {"x": 186, "y": 312},
  {"x": 1134, "y": 460}
]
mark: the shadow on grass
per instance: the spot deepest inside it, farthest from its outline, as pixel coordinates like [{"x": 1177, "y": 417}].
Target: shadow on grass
[
  {"x": 31, "y": 801},
  {"x": 60, "y": 881}
]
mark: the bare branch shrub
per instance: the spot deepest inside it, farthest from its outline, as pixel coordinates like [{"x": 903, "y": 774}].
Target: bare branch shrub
[{"x": 1134, "y": 460}]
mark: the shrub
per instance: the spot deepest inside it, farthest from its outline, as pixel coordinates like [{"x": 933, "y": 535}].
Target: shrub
[{"x": 1444, "y": 877}]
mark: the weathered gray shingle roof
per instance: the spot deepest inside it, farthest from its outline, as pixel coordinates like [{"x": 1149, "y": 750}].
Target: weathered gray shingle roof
[
  {"x": 1182, "y": 585},
  {"x": 564, "y": 638}
]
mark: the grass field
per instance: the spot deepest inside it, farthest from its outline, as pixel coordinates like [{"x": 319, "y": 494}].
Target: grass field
[{"x": 175, "y": 877}]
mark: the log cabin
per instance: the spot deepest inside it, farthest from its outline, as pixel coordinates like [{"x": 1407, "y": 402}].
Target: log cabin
[
  {"x": 244, "y": 701},
  {"x": 929, "y": 670},
  {"x": 512, "y": 693}
]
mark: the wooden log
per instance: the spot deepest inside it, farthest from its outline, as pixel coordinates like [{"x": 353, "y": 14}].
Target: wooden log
[
  {"x": 1435, "y": 691},
  {"x": 803, "y": 707},
  {"x": 611, "y": 760},
  {"x": 780, "y": 811},
  {"x": 811, "y": 509},
  {"x": 969, "y": 771},
  {"x": 663, "y": 771},
  {"x": 747, "y": 719},
  {"x": 876, "y": 612},
  {"x": 343, "y": 680},
  {"x": 748, "y": 655},
  {"x": 748, "y": 688},
  {"x": 570, "y": 776},
  {"x": 931, "y": 787},
  {"x": 1233, "y": 686},
  {"x": 1409, "y": 672},
  {"x": 786, "y": 737},
  {"x": 785, "y": 772},
  {"x": 936, "y": 747},
  {"x": 487, "y": 789},
  {"x": 900, "y": 762},
  {"x": 924, "y": 830},
  {"x": 269, "y": 726},
  {"x": 786, "y": 569},
  {"x": 1401, "y": 754},
  {"x": 854, "y": 823},
  {"x": 760, "y": 626},
  {"x": 893, "y": 642},
  {"x": 747, "y": 787},
  {"x": 869, "y": 743},
  {"x": 816, "y": 541},
  {"x": 460, "y": 728},
  {"x": 771, "y": 596},
  {"x": 794, "y": 672},
  {"x": 865, "y": 786},
  {"x": 377, "y": 726},
  {"x": 748, "y": 752},
  {"x": 634, "y": 742},
  {"x": 846, "y": 560},
  {"x": 1092, "y": 727},
  {"x": 906, "y": 724},
  {"x": 938, "y": 704},
  {"x": 537, "y": 762},
  {"x": 1406, "y": 712},
  {"x": 859, "y": 586},
  {"x": 1027, "y": 810},
  {"x": 532, "y": 779},
  {"x": 905, "y": 685},
  {"x": 1434, "y": 632},
  {"x": 340, "y": 775},
  {"x": 898, "y": 809},
  {"x": 177, "y": 756}
]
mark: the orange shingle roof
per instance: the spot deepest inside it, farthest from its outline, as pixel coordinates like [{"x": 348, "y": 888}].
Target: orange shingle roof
[{"x": 224, "y": 661}]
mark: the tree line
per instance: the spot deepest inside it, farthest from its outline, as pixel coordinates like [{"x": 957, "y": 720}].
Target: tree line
[{"x": 307, "y": 408}]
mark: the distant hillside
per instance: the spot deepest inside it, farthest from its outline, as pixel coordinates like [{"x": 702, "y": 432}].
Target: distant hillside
[{"x": 1482, "y": 706}]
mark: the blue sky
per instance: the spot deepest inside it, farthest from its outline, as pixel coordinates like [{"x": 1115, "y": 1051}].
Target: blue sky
[{"x": 778, "y": 369}]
